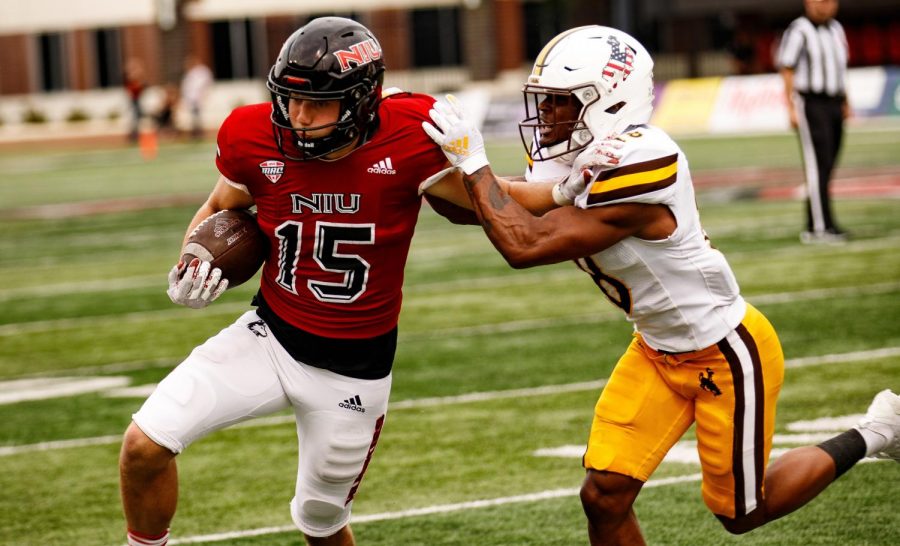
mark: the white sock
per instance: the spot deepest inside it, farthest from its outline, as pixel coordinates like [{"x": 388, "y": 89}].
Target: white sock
[
  {"x": 876, "y": 436},
  {"x": 140, "y": 539}
]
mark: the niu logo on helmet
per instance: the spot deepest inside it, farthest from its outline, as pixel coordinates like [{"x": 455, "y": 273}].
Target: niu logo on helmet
[{"x": 359, "y": 54}]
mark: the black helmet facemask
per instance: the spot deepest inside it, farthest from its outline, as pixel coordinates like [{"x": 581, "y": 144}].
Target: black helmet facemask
[{"x": 330, "y": 58}]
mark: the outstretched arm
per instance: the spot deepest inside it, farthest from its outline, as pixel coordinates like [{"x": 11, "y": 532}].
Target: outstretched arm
[
  {"x": 522, "y": 238},
  {"x": 565, "y": 233},
  {"x": 536, "y": 197},
  {"x": 465, "y": 152}
]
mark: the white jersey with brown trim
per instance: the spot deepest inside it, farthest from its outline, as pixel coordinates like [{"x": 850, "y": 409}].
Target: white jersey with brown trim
[{"x": 679, "y": 292}]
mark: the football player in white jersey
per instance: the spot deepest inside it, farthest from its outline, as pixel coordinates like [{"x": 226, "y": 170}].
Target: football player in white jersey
[{"x": 700, "y": 353}]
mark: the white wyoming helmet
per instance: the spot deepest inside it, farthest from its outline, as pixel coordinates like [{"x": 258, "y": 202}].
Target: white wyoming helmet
[{"x": 610, "y": 74}]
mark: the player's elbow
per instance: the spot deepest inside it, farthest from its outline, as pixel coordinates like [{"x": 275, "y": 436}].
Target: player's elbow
[
  {"x": 517, "y": 263},
  {"x": 523, "y": 248},
  {"x": 452, "y": 212},
  {"x": 519, "y": 257}
]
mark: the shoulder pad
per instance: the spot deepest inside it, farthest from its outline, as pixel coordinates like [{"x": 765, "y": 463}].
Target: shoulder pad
[
  {"x": 648, "y": 165},
  {"x": 392, "y": 91}
]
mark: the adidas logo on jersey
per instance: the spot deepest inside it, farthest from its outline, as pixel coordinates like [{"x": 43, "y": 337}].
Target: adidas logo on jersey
[
  {"x": 383, "y": 167},
  {"x": 353, "y": 403}
]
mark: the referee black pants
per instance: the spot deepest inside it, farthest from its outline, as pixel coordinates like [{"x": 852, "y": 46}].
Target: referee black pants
[{"x": 820, "y": 124}]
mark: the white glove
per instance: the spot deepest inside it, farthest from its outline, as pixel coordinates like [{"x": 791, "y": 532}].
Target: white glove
[
  {"x": 194, "y": 285},
  {"x": 457, "y": 136},
  {"x": 604, "y": 153}
]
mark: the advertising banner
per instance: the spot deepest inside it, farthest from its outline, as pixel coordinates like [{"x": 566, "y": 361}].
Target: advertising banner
[{"x": 685, "y": 106}]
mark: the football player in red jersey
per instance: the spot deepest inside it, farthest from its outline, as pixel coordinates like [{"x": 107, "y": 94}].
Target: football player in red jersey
[{"x": 336, "y": 171}]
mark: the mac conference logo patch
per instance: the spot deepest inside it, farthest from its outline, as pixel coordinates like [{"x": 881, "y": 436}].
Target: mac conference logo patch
[{"x": 272, "y": 169}]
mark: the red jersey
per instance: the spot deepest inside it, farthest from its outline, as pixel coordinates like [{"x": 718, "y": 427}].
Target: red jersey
[{"x": 339, "y": 231}]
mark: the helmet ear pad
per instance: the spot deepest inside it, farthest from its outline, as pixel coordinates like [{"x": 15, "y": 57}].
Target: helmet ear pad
[{"x": 328, "y": 59}]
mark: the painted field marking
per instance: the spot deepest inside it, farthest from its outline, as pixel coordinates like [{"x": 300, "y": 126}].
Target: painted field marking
[
  {"x": 510, "y": 326},
  {"x": 451, "y": 400},
  {"x": 60, "y": 444},
  {"x": 872, "y": 354},
  {"x": 161, "y": 315},
  {"x": 520, "y": 278},
  {"x": 21, "y": 390},
  {"x": 685, "y": 451},
  {"x": 426, "y": 510},
  {"x": 610, "y": 315},
  {"x": 146, "y": 390},
  {"x": 68, "y": 288}
]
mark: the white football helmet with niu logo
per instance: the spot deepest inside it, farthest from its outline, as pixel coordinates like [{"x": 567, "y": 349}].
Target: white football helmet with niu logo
[{"x": 606, "y": 70}]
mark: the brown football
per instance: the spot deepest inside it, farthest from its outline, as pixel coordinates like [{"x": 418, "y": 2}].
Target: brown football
[{"x": 232, "y": 241}]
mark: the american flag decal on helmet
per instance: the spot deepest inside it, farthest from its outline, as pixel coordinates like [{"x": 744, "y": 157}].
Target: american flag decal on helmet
[{"x": 622, "y": 59}]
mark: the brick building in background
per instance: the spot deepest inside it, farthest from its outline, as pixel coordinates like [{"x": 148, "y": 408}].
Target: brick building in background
[{"x": 60, "y": 48}]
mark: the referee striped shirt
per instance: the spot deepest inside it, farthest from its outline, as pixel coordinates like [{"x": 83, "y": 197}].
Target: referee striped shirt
[{"x": 818, "y": 55}]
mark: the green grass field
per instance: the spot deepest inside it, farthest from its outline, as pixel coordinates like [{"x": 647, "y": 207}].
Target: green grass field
[{"x": 493, "y": 365}]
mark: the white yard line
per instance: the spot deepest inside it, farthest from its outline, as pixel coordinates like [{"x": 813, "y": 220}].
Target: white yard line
[
  {"x": 233, "y": 308},
  {"x": 889, "y": 241},
  {"x": 137, "y": 317},
  {"x": 873, "y": 354},
  {"x": 426, "y": 510},
  {"x": 609, "y": 315},
  {"x": 19, "y": 390},
  {"x": 823, "y": 293},
  {"x": 510, "y": 326},
  {"x": 60, "y": 444},
  {"x": 458, "y": 399},
  {"x": 498, "y": 395},
  {"x": 101, "y": 285}
]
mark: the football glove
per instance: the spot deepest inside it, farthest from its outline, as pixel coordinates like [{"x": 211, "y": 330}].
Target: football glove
[
  {"x": 194, "y": 285},
  {"x": 457, "y": 136},
  {"x": 599, "y": 154}
]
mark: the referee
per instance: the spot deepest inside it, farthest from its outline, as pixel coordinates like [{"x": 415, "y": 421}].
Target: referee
[{"x": 812, "y": 59}]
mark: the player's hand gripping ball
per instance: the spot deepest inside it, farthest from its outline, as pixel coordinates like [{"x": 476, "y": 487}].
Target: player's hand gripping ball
[{"x": 223, "y": 251}]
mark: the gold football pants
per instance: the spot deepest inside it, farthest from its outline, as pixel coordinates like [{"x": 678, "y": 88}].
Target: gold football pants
[{"x": 729, "y": 389}]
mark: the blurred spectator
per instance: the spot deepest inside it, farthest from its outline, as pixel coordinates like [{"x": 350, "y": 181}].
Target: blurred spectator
[
  {"x": 165, "y": 116},
  {"x": 743, "y": 51},
  {"x": 812, "y": 59},
  {"x": 195, "y": 84},
  {"x": 135, "y": 83}
]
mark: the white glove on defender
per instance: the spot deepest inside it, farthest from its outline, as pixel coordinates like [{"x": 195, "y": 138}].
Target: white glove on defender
[
  {"x": 457, "y": 136},
  {"x": 197, "y": 286},
  {"x": 598, "y": 154}
]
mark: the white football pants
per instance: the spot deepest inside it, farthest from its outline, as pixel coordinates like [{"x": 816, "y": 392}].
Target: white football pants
[{"x": 243, "y": 372}]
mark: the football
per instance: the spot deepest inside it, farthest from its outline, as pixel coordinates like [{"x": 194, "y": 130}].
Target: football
[{"x": 232, "y": 241}]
